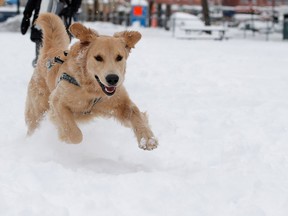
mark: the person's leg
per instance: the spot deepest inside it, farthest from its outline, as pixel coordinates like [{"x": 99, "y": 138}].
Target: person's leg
[
  {"x": 38, "y": 46},
  {"x": 36, "y": 37}
]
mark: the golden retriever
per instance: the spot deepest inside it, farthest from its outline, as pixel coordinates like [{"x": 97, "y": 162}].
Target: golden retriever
[{"x": 83, "y": 82}]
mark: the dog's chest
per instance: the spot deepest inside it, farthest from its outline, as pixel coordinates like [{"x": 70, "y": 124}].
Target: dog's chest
[
  {"x": 85, "y": 97},
  {"x": 85, "y": 105},
  {"x": 91, "y": 105}
]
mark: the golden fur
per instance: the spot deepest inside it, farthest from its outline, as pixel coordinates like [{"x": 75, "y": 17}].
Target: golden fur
[{"x": 92, "y": 56}]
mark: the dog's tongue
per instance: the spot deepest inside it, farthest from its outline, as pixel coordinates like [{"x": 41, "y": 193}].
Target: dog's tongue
[{"x": 110, "y": 89}]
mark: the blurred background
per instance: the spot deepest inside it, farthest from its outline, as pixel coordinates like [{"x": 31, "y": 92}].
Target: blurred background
[{"x": 180, "y": 16}]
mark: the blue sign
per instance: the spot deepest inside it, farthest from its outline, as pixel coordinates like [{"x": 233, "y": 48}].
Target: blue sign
[{"x": 139, "y": 14}]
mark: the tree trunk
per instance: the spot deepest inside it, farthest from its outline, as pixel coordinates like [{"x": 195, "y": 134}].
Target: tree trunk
[{"x": 205, "y": 11}]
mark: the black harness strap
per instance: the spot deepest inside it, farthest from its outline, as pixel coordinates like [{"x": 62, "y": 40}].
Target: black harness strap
[
  {"x": 96, "y": 100},
  {"x": 64, "y": 76},
  {"x": 93, "y": 103},
  {"x": 58, "y": 60},
  {"x": 51, "y": 62},
  {"x": 68, "y": 78}
]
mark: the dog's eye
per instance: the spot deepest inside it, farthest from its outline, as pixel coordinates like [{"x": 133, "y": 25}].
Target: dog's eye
[
  {"x": 119, "y": 58},
  {"x": 99, "y": 58}
]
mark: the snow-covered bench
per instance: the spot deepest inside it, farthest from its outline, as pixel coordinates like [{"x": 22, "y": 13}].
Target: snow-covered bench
[
  {"x": 189, "y": 26},
  {"x": 205, "y": 32}
]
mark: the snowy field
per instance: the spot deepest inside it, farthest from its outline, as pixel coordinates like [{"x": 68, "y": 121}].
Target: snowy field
[{"x": 219, "y": 110}]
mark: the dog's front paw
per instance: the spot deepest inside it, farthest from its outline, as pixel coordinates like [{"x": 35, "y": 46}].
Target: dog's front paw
[
  {"x": 148, "y": 144},
  {"x": 71, "y": 137}
]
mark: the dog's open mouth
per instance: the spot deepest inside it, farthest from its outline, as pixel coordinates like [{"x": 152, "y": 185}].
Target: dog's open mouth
[{"x": 108, "y": 90}]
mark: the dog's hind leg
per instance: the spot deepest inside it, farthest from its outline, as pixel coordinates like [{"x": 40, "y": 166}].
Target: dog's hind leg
[{"x": 36, "y": 103}]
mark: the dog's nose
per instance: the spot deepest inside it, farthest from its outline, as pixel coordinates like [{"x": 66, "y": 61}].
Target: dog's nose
[{"x": 112, "y": 79}]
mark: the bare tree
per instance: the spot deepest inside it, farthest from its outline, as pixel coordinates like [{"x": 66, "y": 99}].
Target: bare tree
[{"x": 205, "y": 11}]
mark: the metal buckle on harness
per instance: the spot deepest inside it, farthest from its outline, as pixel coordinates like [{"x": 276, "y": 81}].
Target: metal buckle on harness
[{"x": 51, "y": 62}]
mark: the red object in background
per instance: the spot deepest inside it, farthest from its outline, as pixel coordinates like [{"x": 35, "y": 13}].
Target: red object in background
[{"x": 138, "y": 11}]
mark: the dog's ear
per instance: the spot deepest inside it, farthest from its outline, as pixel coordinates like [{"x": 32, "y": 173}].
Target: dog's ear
[
  {"x": 85, "y": 35},
  {"x": 130, "y": 38}
]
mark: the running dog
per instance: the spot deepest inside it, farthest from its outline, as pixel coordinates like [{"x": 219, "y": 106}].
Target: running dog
[{"x": 83, "y": 82}]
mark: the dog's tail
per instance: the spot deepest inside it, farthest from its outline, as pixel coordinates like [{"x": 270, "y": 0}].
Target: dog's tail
[{"x": 54, "y": 32}]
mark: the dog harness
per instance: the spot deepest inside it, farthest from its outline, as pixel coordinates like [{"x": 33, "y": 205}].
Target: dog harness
[
  {"x": 94, "y": 102},
  {"x": 68, "y": 78},
  {"x": 57, "y": 60},
  {"x": 51, "y": 62}
]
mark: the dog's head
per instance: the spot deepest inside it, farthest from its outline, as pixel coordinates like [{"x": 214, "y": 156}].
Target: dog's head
[{"x": 106, "y": 55}]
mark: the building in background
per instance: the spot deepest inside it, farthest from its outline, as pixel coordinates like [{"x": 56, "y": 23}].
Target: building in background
[{"x": 159, "y": 11}]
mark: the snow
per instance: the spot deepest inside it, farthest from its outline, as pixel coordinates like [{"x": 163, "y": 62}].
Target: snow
[
  {"x": 218, "y": 109},
  {"x": 139, "y": 2},
  {"x": 180, "y": 22},
  {"x": 12, "y": 24},
  {"x": 10, "y": 8},
  {"x": 184, "y": 19},
  {"x": 182, "y": 15}
]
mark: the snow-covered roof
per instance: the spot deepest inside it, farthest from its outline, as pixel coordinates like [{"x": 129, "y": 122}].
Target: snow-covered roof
[
  {"x": 182, "y": 15},
  {"x": 139, "y": 2}
]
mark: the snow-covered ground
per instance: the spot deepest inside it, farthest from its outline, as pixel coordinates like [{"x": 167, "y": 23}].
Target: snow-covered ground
[{"x": 219, "y": 110}]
